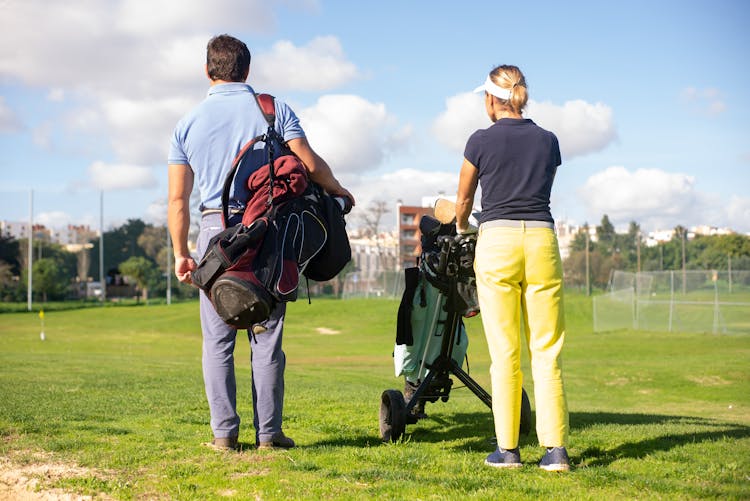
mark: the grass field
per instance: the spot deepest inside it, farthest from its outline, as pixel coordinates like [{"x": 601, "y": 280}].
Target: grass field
[{"x": 112, "y": 404}]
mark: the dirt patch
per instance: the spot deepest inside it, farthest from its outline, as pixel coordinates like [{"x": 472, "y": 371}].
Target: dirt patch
[
  {"x": 26, "y": 482},
  {"x": 709, "y": 380},
  {"x": 326, "y": 331}
]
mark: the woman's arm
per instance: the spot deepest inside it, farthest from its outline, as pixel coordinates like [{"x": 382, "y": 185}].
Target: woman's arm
[{"x": 467, "y": 187}]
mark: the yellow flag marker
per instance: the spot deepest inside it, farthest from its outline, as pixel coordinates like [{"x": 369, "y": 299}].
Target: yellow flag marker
[{"x": 41, "y": 317}]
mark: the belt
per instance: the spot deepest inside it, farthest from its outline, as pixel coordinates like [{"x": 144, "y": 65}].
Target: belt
[
  {"x": 516, "y": 223},
  {"x": 206, "y": 211}
]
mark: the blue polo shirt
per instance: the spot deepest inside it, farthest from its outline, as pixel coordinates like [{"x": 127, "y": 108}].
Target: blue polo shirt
[
  {"x": 209, "y": 137},
  {"x": 517, "y": 161}
]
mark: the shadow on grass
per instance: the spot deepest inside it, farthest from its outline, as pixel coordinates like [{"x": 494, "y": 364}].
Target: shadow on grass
[
  {"x": 475, "y": 431},
  {"x": 596, "y": 456}
]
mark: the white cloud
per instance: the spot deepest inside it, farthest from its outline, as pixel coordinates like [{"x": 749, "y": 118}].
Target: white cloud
[
  {"x": 156, "y": 212},
  {"x": 407, "y": 185},
  {"x": 320, "y": 65},
  {"x": 464, "y": 113},
  {"x": 133, "y": 67},
  {"x": 652, "y": 197},
  {"x": 9, "y": 120},
  {"x": 42, "y": 135},
  {"x": 91, "y": 42},
  {"x": 55, "y": 35},
  {"x": 738, "y": 213},
  {"x": 351, "y": 133},
  {"x": 120, "y": 177},
  {"x": 580, "y": 127},
  {"x": 56, "y": 95},
  {"x": 53, "y": 219},
  {"x": 140, "y": 129},
  {"x": 708, "y": 101},
  {"x": 160, "y": 17}
]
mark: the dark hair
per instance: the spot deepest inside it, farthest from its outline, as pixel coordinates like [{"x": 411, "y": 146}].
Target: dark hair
[{"x": 227, "y": 59}]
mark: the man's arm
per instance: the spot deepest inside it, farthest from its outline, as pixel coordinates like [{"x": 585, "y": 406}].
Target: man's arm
[
  {"x": 319, "y": 170},
  {"x": 178, "y": 219},
  {"x": 467, "y": 187}
]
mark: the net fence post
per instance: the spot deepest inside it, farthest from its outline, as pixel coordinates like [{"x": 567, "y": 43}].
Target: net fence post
[{"x": 671, "y": 298}]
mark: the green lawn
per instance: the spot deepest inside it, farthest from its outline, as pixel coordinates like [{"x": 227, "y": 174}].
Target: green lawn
[{"x": 118, "y": 391}]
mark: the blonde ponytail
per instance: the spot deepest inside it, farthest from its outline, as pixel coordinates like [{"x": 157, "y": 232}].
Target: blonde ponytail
[{"x": 510, "y": 77}]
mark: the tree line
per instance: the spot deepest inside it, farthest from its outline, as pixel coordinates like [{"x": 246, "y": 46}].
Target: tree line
[
  {"x": 139, "y": 251},
  {"x": 135, "y": 250},
  {"x": 627, "y": 251}
]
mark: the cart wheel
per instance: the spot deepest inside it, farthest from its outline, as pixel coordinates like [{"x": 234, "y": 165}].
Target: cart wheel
[
  {"x": 392, "y": 415},
  {"x": 525, "y": 413}
]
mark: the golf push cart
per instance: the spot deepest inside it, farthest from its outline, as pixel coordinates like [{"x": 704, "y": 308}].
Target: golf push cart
[{"x": 431, "y": 339}]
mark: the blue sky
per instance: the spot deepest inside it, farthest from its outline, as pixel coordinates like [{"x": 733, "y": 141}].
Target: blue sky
[{"x": 650, "y": 100}]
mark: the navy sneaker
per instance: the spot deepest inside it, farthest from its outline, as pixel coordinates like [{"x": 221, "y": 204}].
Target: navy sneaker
[
  {"x": 555, "y": 459},
  {"x": 502, "y": 458}
]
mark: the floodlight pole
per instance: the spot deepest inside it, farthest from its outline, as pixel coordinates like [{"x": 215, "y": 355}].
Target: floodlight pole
[
  {"x": 684, "y": 271},
  {"x": 31, "y": 250},
  {"x": 638, "y": 249},
  {"x": 101, "y": 247},
  {"x": 588, "y": 273},
  {"x": 729, "y": 269}
]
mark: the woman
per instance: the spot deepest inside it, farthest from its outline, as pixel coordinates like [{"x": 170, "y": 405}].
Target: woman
[{"x": 518, "y": 266}]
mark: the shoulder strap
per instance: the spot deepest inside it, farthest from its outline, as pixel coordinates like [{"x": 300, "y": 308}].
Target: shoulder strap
[
  {"x": 229, "y": 180},
  {"x": 266, "y": 103},
  {"x": 267, "y": 107}
]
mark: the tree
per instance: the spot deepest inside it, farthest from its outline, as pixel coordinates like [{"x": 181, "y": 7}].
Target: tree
[
  {"x": 580, "y": 239},
  {"x": 119, "y": 244},
  {"x": 606, "y": 236},
  {"x": 142, "y": 270},
  {"x": 372, "y": 215},
  {"x": 9, "y": 253},
  {"x": 153, "y": 240},
  {"x": 48, "y": 278}
]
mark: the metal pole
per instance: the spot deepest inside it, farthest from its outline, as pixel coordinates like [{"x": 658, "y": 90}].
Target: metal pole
[
  {"x": 716, "y": 301},
  {"x": 169, "y": 268},
  {"x": 729, "y": 269},
  {"x": 588, "y": 273},
  {"x": 684, "y": 271},
  {"x": 671, "y": 298},
  {"x": 31, "y": 250},
  {"x": 661, "y": 256},
  {"x": 638, "y": 250},
  {"x": 101, "y": 247}
]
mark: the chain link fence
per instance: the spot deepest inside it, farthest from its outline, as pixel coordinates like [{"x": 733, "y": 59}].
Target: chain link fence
[
  {"x": 676, "y": 301},
  {"x": 386, "y": 284}
]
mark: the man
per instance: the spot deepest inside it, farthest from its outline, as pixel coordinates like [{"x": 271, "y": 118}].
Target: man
[{"x": 205, "y": 142}]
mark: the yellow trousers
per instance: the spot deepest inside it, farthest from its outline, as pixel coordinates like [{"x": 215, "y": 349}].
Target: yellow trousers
[{"x": 519, "y": 284}]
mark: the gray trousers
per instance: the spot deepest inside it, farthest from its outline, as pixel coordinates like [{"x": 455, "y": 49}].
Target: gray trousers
[{"x": 266, "y": 359}]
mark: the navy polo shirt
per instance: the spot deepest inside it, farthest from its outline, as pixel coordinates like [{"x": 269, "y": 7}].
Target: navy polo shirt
[
  {"x": 517, "y": 161},
  {"x": 209, "y": 137}
]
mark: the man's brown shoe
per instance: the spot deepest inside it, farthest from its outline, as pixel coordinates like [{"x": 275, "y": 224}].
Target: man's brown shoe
[
  {"x": 223, "y": 444},
  {"x": 279, "y": 441}
]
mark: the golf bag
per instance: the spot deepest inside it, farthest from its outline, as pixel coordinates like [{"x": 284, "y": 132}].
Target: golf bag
[
  {"x": 442, "y": 282},
  {"x": 424, "y": 310},
  {"x": 256, "y": 263},
  {"x": 431, "y": 339}
]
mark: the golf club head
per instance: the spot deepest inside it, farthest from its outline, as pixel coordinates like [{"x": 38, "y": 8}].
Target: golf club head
[{"x": 445, "y": 211}]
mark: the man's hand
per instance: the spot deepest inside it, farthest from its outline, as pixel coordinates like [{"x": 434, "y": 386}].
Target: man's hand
[
  {"x": 183, "y": 268},
  {"x": 469, "y": 229}
]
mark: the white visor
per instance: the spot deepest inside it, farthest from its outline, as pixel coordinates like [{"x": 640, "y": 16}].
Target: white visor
[{"x": 494, "y": 89}]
